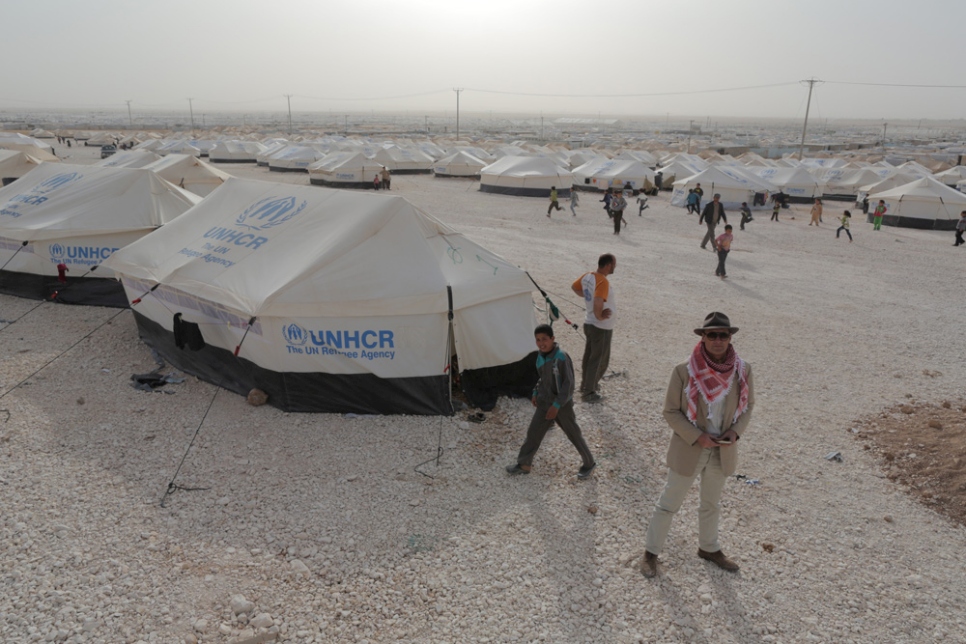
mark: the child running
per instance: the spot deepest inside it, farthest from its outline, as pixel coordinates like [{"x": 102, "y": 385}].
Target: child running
[
  {"x": 846, "y": 219},
  {"x": 574, "y": 201},
  {"x": 723, "y": 244},
  {"x": 553, "y": 398}
]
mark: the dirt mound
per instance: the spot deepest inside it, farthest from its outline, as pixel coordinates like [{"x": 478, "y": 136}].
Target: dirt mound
[{"x": 923, "y": 447}]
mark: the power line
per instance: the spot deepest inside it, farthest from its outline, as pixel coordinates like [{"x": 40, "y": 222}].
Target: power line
[
  {"x": 699, "y": 91},
  {"x": 897, "y": 85}
]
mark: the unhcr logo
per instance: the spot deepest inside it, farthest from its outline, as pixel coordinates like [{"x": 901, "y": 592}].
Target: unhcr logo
[
  {"x": 294, "y": 334},
  {"x": 269, "y": 212},
  {"x": 55, "y": 182},
  {"x": 57, "y": 251}
]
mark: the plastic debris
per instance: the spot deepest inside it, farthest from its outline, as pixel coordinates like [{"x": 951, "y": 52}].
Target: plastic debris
[{"x": 834, "y": 456}]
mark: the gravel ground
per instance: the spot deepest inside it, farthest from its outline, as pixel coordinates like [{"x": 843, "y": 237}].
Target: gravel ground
[{"x": 321, "y": 528}]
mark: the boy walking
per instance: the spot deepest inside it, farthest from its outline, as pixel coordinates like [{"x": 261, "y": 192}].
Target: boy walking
[
  {"x": 574, "y": 201},
  {"x": 846, "y": 218},
  {"x": 745, "y": 214},
  {"x": 775, "y": 209},
  {"x": 723, "y": 244},
  {"x": 553, "y": 398}
]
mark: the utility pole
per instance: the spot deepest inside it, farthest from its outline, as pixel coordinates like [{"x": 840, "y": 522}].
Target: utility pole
[
  {"x": 130, "y": 121},
  {"x": 457, "y": 90},
  {"x": 811, "y": 83},
  {"x": 427, "y": 123},
  {"x": 191, "y": 109},
  {"x": 289, "y": 97},
  {"x": 541, "y": 127},
  {"x": 347, "y": 125},
  {"x": 690, "y": 128},
  {"x": 884, "y": 126}
]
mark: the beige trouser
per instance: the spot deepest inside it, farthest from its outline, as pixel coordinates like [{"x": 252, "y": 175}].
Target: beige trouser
[{"x": 712, "y": 483}]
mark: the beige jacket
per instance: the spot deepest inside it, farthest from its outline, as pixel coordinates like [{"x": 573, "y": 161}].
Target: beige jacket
[{"x": 683, "y": 454}]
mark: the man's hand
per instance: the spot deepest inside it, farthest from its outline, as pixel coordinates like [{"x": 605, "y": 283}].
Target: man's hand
[
  {"x": 729, "y": 436},
  {"x": 606, "y": 313},
  {"x": 533, "y": 401},
  {"x": 551, "y": 413},
  {"x": 706, "y": 440}
]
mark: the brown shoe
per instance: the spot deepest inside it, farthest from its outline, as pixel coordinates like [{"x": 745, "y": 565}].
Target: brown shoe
[
  {"x": 649, "y": 565},
  {"x": 720, "y": 560}
]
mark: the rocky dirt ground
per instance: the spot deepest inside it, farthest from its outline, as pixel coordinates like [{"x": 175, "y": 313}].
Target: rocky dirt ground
[{"x": 321, "y": 528}]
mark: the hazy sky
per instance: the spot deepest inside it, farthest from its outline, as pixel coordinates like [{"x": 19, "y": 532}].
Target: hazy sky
[{"x": 364, "y": 55}]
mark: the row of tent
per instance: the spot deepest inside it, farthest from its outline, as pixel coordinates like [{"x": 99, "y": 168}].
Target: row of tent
[{"x": 327, "y": 300}]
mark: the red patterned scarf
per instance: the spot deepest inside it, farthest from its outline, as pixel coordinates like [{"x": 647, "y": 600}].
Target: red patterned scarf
[{"x": 713, "y": 380}]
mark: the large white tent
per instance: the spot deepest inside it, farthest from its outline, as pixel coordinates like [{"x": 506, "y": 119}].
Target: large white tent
[
  {"x": 235, "y": 151},
  {"x": 731, "y": 183},
  {"x": 34, "y": 147},
  {"x": 190, "y": 173},
  {"x": 952, "y": 176},
  {"x": 294, "y": 158},
  {"x": 459, "y": 164},
  {"x": 602, "y": 173},
  {"x": 178, "y": 147},
  {"x": 798, "y": 183},
  {"x": 346, "y": 169},
  {"x": 525, "y": 176},
  {"x": 77, "y": 216},
  {"x": 15, "y": 164},
  {"x": 400, "y": 161},
  {"x": 923, "y": 203},
  {"x": 367, "y": 300},
  {"x": 129, "y": 159}
]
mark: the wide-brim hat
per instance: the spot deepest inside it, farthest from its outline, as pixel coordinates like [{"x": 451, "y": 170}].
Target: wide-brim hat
[{"x": 716, "y": 320}]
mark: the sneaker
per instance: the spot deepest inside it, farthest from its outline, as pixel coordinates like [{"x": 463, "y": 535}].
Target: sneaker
[
  {"x": 516, "y": 468},
  {"x": 649, "y": 565},
  {"x": 592, "y": 398},
  {"x": 585, "y": 471},
  {"x": 719, "y": 559}
]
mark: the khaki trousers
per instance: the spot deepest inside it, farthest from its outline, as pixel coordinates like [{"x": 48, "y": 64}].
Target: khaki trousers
[
  {"x": 596, "y": 357},
  {"x": 709, "y": 510}
]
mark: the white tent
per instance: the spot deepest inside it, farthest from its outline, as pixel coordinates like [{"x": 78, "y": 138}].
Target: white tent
[
  {"x": 294, "y": 158},
  {"x": 731, "y": 183},
  {"x": 101, "y": 138},
  {"x": 20, "y": 143},
  {"x": 150, "y": 145},
  {"x": 952, "y": 176},
  {"x": 601, "y": 174},
  {"x": 400, "y": 161},
  {"x": 892, "y": 180},
  {"x": 178, "y": 147},
  {"x": 923, "y": 203},
  {"x": 235, "y": 151},
  {"x": 15, "y": 164},
  {"x": 525, "y": 176},
  {"x": 77, "y": 216},
  {"x": 271, "y": 148},
  {"x": 129, "y": 159},
  {"x": 797, "y": 183},
  {"x": 346, "y": 169},
  {"x": 643, "y": 156},
  {"x": 366, "y": 302},
  {"x": 188, "y": 172},
  {"x": 459, "y": 164},
  {"x": 679, "y": 169}
]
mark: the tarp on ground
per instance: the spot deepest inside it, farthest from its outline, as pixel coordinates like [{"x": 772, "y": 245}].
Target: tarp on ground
[{"x": 366, "y": 302}]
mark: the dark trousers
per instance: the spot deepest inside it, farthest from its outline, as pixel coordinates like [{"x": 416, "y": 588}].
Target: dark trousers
[
  {"x": 959, "y": 238},
  {"x": 596, "y": 357},
  {"x": 774, "y": 215},
  {"x": 618, "y": 218},
  {"x": 709, "y": 237},
  {"x": 722, "y": 256},
  {"x": 847, "y": 232},
  {"x": 744, "y": 220},
  {"x": 539, "y": 426},
  {"x": 553, "y": 204}
]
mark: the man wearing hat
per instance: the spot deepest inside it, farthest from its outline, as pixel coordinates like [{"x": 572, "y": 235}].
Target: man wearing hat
[
  {"x": 708, "y": 407},
  {"x": 712, "y": 213}
]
